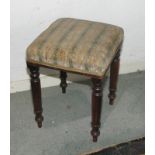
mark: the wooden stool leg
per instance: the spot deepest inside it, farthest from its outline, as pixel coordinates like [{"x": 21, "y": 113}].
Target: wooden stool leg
[
  {"x": 63, "y": 84},
  {"x": 114, "y": 70},
  {"x": 96, "y": 107},
  {"x": 36, "y": 94}
]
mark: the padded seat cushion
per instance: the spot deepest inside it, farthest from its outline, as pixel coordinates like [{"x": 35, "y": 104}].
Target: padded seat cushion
[{"x": 76, "y": 45}]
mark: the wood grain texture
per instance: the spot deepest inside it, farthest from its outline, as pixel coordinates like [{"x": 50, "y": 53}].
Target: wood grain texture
[
  {"x": 114, "y": 71},
  {"x": 63, "y": 83},
  {"x": 96, "y": 107},
  {"x": 36, "y": 93}
]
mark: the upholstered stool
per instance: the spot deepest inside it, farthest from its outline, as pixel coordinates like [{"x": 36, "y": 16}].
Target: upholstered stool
[{"x": 81, "y": 47}]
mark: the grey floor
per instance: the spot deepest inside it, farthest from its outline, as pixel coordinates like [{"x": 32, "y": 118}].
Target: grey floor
[{"x": 66, "y": 127}]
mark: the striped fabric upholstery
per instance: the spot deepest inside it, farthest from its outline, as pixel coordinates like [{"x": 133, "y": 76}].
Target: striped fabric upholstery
[{"x": 76, "y": 45}]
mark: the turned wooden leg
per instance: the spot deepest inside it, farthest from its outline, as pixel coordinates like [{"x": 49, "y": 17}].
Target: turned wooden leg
[
  {"x": 96, "y": 107},
  {"x": 36, "y": 94},
  {"x": 114, "y": 70},
  {"x": 63, "y": 83}
]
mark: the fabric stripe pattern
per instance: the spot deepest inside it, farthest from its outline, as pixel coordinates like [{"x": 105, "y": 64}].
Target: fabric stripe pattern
[{"x": 76, "y": 45}]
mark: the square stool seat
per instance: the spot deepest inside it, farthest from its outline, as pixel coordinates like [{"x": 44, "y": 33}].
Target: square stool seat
[
  {"x": 82, "y": 47},
  {"x": 75, "y": 45}
]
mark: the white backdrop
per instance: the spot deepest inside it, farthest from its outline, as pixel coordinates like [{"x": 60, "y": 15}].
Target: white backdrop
[{"x": 29, "y": 18}]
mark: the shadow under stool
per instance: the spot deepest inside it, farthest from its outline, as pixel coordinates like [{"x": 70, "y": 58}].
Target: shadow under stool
[{"x": 77, "y": 46}]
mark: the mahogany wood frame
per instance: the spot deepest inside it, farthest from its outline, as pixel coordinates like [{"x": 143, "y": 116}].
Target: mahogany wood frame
[{"x": 96, "y": 91}]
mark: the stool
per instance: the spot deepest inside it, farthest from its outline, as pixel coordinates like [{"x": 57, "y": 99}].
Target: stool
[{"x": 81, "y": 47}]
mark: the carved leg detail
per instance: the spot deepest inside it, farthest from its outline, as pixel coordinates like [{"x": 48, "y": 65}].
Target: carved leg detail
[
  {"x": 63, "y": 83},
  {"x": 36, "y": 94},
  {"x": 96, "y": 108},
  {"x": 114, "y": 70}
]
